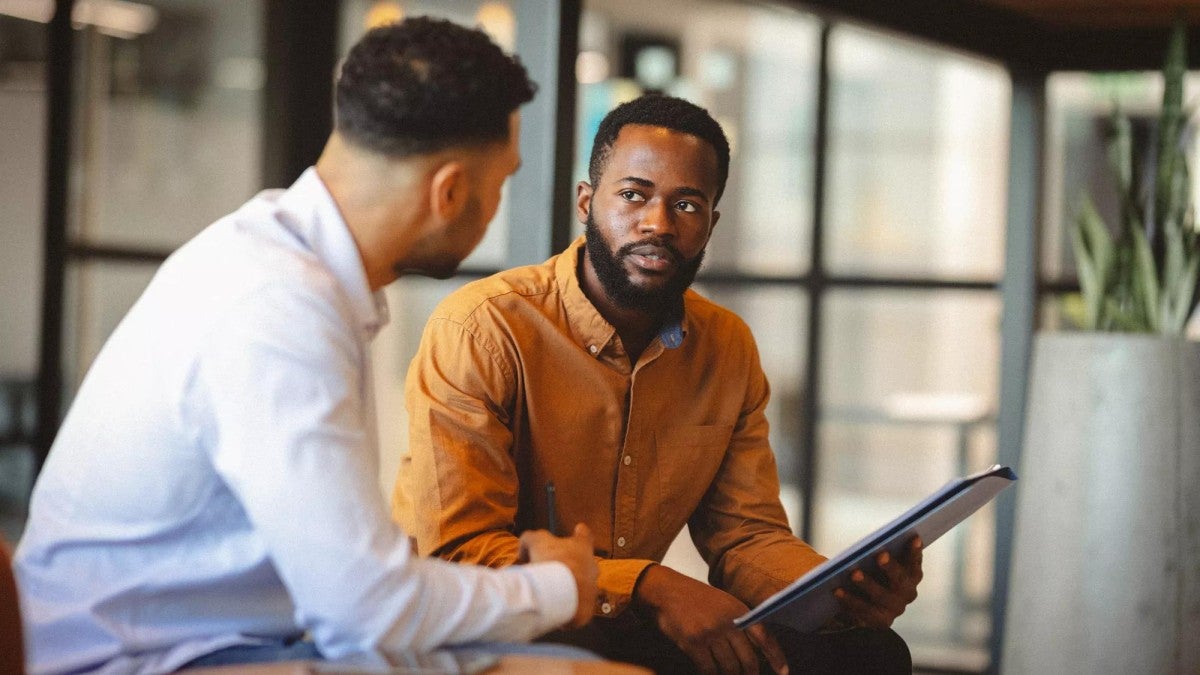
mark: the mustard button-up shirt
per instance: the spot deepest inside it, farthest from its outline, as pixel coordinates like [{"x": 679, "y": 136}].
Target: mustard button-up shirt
[{"x": 519, "y": 382}]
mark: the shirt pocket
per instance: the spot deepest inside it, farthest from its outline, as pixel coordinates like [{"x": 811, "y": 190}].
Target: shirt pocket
[{"x": 686, "y": 460}]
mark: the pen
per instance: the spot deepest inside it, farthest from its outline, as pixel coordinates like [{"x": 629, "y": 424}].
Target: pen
[{"x": 551, "y": 510}]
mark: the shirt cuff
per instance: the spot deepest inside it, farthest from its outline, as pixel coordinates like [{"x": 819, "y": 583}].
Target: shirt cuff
[
  {"x": 617, "y": 581},
  {"x": 554, "y": 586}
]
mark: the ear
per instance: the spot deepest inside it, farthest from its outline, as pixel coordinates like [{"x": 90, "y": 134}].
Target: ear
[
  {"x": 583, "y": 200},
  {"x": 448, "y": 191},
  {"x": 713, "y": 225}
]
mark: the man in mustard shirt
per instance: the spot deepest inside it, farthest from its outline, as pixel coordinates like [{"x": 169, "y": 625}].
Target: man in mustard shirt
[{"x": 643, "y": 404}]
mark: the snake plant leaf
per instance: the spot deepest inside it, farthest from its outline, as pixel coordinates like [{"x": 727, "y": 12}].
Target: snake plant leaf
[
  {"x": 1119, "y": 318},
  {"x": 1175, "y": 256},
  {"x": 1144, "y": 278},
  {"x": 1097, "y": 240},
  {"x": 1174, "y": 204},
  {"x": 1187, "y": 293},
  {"x": 1090, "y": 284},
  {"x": 1145, "y": 282},
  {"x": 1120, "y": 150},
  {"x": 1183, "y": 294},
  {"x": 1170, "y": 121}
]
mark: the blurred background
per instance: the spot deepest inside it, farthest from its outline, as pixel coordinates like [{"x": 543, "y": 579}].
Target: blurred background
[{"x": 894, "y": 229}]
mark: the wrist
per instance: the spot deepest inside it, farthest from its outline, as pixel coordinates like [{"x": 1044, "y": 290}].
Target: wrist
[
  {"x": 637, "y": 600},
  {"x": 649, "y": 591}
]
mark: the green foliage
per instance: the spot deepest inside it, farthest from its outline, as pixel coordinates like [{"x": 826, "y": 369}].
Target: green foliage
[{"x": 1144, "y": 278}]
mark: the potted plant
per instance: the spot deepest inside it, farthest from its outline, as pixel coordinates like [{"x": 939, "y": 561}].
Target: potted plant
[{"x": 1106, "y": 565}]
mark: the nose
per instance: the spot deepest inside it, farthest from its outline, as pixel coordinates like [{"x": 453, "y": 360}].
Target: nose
[{"x": 657, "y": 219}]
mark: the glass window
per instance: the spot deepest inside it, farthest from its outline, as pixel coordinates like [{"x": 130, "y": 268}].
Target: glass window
[
  {"x": 410, "y": 301},
  {"x": 166, "y": 141},
  {"x": 778, "y": 318},
  {"x": 909, "y": 386},
  {"x": 22, "y": 164},
  {"x": 1078, "y": 108},
  {"x": 167, "y": 135},
  {"x": 754, "y": 68},
  {"x": 22, "y": 190},
  {"x": 918, "y": 154}
]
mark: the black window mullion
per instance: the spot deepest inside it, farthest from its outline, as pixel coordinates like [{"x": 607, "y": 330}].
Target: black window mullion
[
  {"x": 807, "y": 467},
  {"x": 59, "y": 84}
]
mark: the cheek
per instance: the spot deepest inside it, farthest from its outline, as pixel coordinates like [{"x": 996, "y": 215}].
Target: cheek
[{"x": 696, "y": 238}]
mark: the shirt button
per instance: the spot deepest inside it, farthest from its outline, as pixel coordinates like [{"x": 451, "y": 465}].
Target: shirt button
[
  {"x": 621, "y": 542},
  {"x": 593, "y": 348},
  {"x": 606, "y": 608},
  {"x": 627, "y": 460}
]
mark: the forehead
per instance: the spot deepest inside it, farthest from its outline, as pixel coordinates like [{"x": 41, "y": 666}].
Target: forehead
[{"x": 663, "y": 156}]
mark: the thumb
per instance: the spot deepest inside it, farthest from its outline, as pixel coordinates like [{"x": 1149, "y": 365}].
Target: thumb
[
  {"x": 583, "y": 534},
  {"x": 769, "y": 647},
  {"x": 530, "y": 539}
]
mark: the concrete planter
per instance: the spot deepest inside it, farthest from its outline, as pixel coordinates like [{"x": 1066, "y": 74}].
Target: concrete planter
[{"x": 1106, "y": 566}]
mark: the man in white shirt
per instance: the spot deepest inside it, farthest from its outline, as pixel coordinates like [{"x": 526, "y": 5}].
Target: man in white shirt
[{"x": 213, "y": 491}]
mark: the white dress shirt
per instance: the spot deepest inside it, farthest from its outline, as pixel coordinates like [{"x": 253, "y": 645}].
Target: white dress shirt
[{"x": 215, "y": 481}]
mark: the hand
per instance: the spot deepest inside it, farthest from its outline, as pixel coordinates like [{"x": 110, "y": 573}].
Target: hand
[
  {"x": 876, "y": 600},
  {"x": 576, "y": 552},
  {"x": 699, "y": 620}
]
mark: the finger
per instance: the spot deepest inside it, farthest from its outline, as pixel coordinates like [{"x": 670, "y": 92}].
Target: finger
[
  {"x": 532, "y": 537},
  {"x": 583, "y": 533},
  {"x": 916, "y": 553},
  {"x": 867, "y": 613},
  {"x": 891, "y": 600},
  {"x": 702, "y": 657},
  {"x": 528, "y": 540},
  {"x": 744, "y": 651},
  {"x": 724, "y": 655},
  {"x": 893, "y": 572},
  {"x": 769, "y": 647},
  {"x": 900, "y": 580}
]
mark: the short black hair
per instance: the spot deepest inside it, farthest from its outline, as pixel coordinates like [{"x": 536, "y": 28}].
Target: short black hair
[
  {"x": 424, "y": 85},
  {"x": 668, "y": 112}
]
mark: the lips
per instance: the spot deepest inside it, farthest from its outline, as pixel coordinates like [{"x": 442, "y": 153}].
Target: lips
[{"x": 652, "y": 258}]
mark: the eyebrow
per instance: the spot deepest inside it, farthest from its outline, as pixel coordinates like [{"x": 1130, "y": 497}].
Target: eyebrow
[{"x": 684, "y": 190}]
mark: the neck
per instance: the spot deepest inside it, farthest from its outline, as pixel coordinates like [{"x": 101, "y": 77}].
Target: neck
[{"x": 379, "y": 199}]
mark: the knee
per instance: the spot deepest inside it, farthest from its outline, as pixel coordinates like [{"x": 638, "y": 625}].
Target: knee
[
  {"x": 861, "y": 651},
  {"x": 887, "y": 652}
]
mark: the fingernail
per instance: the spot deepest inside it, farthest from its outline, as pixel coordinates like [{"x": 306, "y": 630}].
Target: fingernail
[
  {"x": 884, "y": 558},
  {"x": 857, "y": 576},
  {"x": 918, "y": 543},
  {"x": 839, "y": 593},
  {"x": 784, "y": 670}
]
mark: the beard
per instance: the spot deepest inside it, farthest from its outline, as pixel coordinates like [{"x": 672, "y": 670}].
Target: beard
[{"x": 610, "y": 270}]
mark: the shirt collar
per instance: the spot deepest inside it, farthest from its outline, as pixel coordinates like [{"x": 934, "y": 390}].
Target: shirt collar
[
  {"x": 327, "y": 236},
  {"x": 587, "y": 325}
]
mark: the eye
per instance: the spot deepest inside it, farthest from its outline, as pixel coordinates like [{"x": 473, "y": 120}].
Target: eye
[
  {"x": 631, "y": 196},
  {"x": 686, "y": 206}
]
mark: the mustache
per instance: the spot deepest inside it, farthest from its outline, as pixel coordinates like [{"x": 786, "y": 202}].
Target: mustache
[{"x": 658, "y": 244}]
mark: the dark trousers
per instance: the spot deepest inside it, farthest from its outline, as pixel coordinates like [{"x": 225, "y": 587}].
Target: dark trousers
[{"x": 860, "y": 651}]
